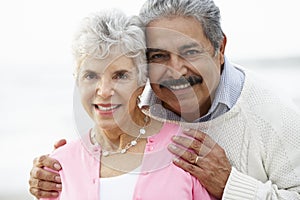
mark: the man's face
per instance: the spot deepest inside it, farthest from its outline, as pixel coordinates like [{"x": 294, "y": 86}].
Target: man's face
[{"x": 183, "y": 69}]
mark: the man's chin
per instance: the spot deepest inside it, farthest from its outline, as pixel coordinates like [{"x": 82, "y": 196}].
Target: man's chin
[{"x": 186, "y": 108}]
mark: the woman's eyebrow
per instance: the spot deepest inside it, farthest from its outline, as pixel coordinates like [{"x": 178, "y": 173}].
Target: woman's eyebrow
[{"x": 86, "y": 71}]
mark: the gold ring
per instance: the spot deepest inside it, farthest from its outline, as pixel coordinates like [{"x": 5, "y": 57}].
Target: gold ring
[{"x": 196, "y": 160}]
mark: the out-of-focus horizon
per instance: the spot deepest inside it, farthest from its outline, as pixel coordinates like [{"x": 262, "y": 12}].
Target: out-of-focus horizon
[{"x": 36, "y": 63}]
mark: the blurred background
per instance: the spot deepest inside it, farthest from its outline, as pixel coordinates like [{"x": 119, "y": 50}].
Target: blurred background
[{"x": 36, "y": 86}]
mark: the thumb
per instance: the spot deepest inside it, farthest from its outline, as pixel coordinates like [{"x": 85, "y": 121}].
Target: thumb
[{"x": 60, "y": 143}]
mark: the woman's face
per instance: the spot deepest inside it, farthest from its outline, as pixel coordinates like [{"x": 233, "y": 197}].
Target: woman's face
[{"x": 108, "y": 89}]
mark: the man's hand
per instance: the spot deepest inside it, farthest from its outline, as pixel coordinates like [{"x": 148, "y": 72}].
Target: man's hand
[
  {"x": 60, "y": 143},
  {"x": 204, "y": 159},
  {"x": 43, "y": 183}
]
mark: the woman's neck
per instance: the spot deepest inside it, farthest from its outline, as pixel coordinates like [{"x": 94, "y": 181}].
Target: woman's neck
[
  {"x": 113, "y": 162},
  {"x": 119, "y": 137}
]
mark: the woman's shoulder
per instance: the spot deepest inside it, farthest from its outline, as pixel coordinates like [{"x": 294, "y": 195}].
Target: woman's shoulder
[{"x": 69, "y": 147}]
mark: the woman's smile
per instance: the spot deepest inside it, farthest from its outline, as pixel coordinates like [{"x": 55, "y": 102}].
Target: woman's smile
[{"x": 106, "y": 109}]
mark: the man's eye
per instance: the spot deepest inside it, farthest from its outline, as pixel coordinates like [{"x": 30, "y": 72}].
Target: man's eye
[
  {"x": 158, "y": 57},
  {"x": 191, "y": 52}
]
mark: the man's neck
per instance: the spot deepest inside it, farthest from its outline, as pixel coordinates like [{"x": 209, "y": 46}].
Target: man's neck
[{"x": 191, "y": 116}]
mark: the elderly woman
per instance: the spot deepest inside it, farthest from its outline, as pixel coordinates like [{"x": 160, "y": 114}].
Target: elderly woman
[{"x": 124, "y": 156}]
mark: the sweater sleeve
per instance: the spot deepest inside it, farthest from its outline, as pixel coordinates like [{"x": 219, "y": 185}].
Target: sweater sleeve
[
  {"x": 241, "y": 186},
  {"x": 279, "y": 144}
]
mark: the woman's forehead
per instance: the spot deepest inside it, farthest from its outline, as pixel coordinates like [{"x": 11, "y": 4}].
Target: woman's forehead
[{"x": 108, "y": 63}]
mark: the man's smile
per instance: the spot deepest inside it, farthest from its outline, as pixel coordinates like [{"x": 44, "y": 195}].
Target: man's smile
[{"x": 181, "y": 83}]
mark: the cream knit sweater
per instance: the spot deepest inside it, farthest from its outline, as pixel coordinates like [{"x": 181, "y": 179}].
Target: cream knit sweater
[{"x": 261, "y": 138}]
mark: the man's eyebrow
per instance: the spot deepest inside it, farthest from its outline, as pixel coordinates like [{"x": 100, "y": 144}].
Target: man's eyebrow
[
  {"x": 187, "y": 46},
  {"x": 181, "y": 48},
  {"x": 155, "y": 50}
]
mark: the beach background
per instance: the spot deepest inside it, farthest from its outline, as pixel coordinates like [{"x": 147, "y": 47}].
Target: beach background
[{"x": 36, "y": 84}]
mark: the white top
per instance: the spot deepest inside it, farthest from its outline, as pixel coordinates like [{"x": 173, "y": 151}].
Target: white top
[{"x": 119, "y": 187}]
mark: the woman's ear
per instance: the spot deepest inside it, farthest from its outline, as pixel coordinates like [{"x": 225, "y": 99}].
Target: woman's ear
[
  {"x": 75, "y": 78},
  {"x": 137, "y": 94},
  {"x": 140, "y": 90}
]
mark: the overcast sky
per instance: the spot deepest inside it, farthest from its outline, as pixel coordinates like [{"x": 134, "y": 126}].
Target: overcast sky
[
  {"x": 35, "y": 32},
  {"x": 36, "y": 66}
]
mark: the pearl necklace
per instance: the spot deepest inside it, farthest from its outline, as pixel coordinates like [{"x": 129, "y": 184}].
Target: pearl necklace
[{"x": 132, "y": 143}]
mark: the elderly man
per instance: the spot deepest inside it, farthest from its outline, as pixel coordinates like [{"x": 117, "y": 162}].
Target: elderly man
[{"x": 242, "y": 140}]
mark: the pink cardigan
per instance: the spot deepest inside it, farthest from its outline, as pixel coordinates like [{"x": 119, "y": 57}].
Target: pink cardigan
[{"x": 159, "y": 179}]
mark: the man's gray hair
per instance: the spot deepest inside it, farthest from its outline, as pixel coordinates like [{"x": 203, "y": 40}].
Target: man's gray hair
[
  {"x": 102, "y": 33},
  {"x": 205, "y": 11}
]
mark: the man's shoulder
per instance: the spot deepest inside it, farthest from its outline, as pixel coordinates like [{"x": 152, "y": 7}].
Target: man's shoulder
[{"x": 263, "y": 99}]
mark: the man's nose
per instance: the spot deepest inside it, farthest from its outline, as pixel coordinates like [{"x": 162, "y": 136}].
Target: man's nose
[
  {"x": 178, "y": 66},
  {"x": 105, "y": 88}
]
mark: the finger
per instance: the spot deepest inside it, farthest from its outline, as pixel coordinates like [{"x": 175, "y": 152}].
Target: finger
[
  {"x": 189, "y": 143},
  {"x": 46, "y": 161},
  {"x": 183, "y": 153},
  {"x": 193, "y": 144},
  {"x": 199, "y": 135},
  {"x": 42, "y": 174},
  {"x": 44, "y": 185},
  {"x": 60, "y": 143},
  {"x": 38, "y": 160},
  {"x": 212, "y": 181},
  {"x": 186, "y": 166},
  {"x": 43, "y": 194}
]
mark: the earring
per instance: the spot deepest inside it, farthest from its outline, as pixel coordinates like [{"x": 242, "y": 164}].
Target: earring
[
  {"x": 112, "y": 92},
  {"x": 138, "y": 99}
]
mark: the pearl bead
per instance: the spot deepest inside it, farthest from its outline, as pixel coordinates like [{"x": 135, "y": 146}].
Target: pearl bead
[
  {"x": 105, "y": 153},
  {"x": 123, "y": 151},
  {"x": 142, "y": 131},
  {"x": 133, "y": 142}
]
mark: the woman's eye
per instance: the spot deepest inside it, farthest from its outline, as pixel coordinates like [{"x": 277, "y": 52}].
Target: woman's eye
[
  {"x": 122, "y": 75},
  {"x": 90, "y": 76}
]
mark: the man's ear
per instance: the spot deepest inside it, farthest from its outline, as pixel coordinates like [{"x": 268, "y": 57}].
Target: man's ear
[{"x": 222, "y": 49}]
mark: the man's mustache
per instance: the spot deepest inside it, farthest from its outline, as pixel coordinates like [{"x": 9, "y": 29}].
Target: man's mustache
[{"x": 191, "y": 80}]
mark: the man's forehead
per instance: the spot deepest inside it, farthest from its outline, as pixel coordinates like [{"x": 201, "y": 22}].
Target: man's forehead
[
  {"x": 173, "y": 47},
  {"x": 158, "y": 32},
  {"x": 162, "y": 38}
]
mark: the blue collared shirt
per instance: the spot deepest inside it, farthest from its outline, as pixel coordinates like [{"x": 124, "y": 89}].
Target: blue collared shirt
[{"x": 227, "y": 94}]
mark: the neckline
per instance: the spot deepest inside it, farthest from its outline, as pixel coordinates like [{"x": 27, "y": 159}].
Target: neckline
[{"x": 235, "y": 108}]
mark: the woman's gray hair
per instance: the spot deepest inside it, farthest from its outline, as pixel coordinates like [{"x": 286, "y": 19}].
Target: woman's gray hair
[
  {"x": 102, "y": 33},
  {"x": 205, "y": 11}
]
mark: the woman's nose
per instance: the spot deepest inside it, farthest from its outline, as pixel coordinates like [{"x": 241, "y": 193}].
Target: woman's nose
[{"x": 104, "y": 88}]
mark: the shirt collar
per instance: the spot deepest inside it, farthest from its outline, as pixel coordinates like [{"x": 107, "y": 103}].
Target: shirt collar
[
  {"x": 229, "y": 88},
  {"x": 227, "y": 93}
]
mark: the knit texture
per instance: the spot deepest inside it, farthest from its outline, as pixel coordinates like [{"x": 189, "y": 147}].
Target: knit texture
[{"x": 261, "y": 138}]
